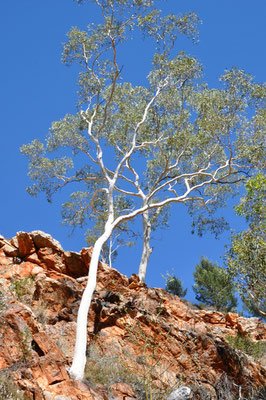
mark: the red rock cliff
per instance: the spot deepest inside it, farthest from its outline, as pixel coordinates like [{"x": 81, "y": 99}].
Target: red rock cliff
[{"x": 139, "y": 338}]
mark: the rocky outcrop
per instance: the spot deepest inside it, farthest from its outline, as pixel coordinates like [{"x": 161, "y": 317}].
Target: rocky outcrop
[{"x": 139, "y": 338}]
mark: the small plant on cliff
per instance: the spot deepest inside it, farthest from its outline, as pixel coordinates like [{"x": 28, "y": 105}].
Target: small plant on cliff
[
  {"x": 22, "y": 287},
  {"x": 2, "y": 303},
  {"x": 106, "y": 369},
  {"x": 214, "y": 286},
  {"x": 152, "y": 368},
  {"x": 25, "y": 344},
  {"x": 8, "y": 389},
  {"x": 245, "y": 344},
  {"x": 174, "y": 285},
  {"x": 40, "y": 312}
]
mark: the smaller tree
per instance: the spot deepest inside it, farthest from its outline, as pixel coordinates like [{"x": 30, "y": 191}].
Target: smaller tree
[
  {"x": 246, "y": 256},
  {"x": 214, "y": 286},
  {"x": 174, "y": 285}
]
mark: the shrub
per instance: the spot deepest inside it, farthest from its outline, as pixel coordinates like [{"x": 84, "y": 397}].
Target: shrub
[
  {"x": 245, "y": 344},
  {"x": 40, "y": 312},
  {"x": 174, "y": 285},
  {"x": 8, "y": 389},
  {"x": 106, "y": 370},
  {"x": 25, "y": 344},
  {"x": 22, "y": 286}
]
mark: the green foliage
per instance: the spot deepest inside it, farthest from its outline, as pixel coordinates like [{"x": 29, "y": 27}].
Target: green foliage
[
  {"x": 130, "y": 147},
  {"x": 22, "y": 286},
  {"x": 246, "y": 257},
  {"x": 214, "y": 286},
  {"x": 8, "y": 389},
  {"x": 174, "y": 285},
  {"x": 253, "y": 206},
  {"x": 245, "y": 344},
  {"x": 25, "y": 344}
]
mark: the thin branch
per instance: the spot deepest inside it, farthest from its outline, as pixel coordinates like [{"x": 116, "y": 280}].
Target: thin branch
[
  {"x": 93, "y": 197},
  {"x": 97, "y": 144},
  {"x": 139, "y": 124},
  {"x": 126, "y": 192}
]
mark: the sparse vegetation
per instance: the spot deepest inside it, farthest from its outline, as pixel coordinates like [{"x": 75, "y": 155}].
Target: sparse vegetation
[
  {"x": 245, "y": 344},
  {"x": 146, "y": 371},
  {"x": 2, "y": 302},
  {"x": 174, "y": 285},
  {"x": 25, "y": 344},
  {"x": 40, "y": 313},
  {"x": 106, "y": 369},
  {"x": 8, "y": 389},
  {"x": 153, "y": 369},
  {"x": 22, "y": 287}
]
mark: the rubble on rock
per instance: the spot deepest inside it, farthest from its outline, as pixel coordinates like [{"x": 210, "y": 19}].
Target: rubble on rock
[{"x": 139, "y": 338}]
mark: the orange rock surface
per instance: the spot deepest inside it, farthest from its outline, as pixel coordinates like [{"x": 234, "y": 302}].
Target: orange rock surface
[{"x": 137, "y": 336}]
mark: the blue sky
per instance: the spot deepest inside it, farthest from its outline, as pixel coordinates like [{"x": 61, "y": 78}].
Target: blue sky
[{"x": 37, "y": 89}]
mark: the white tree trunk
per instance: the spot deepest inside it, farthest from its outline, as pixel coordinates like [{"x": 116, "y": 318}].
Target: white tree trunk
[
  {"x": 79, "y": 361},
  {"x": 146, "y": 250}
]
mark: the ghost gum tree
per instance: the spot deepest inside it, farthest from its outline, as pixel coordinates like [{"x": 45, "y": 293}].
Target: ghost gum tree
[{"x": 138, "y": 149}]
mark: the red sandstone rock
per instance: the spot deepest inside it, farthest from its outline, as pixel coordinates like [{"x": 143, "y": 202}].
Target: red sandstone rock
[
  {"x": 4, "y": 260},
  {"x": 33, "y": 258},
  {"x": 14, "y": 241},
  {"x": 42, "y": 239},
  {"x": 51, "y": 259},
  {"x": 75, "y": 265},
  {"x": 86, "y": 254},
  {"x": 25, "y": 244},
  {"x": 125, "y": 318},
  {"x": 10, "y": 250},
  {"x": 122, "y": 391}
]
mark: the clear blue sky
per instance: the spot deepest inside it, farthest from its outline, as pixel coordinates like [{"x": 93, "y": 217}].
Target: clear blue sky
[{"x": 37, "y": 89}]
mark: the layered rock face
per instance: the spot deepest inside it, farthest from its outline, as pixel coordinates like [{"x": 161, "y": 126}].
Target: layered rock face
[{"x": 143, "y": 343}]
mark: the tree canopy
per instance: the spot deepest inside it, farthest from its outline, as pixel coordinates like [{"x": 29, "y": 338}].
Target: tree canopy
[
  {"x": 174, "y": 286},
  {"x": 214, "y": 286},
  {"x": 134, "y": 150},
  {"x": 246, "y": 257}
]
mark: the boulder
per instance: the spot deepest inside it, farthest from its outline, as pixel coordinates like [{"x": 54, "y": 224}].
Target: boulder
[
  {"x": 182, "y": 393},
  {"x": 25, "y": 244},
  {"x": 10, "y": 250},
  {"x": 42, "y": 239},
  {"x": 75, "y": 265},
  {"x": 122, "y": 391},
  {"x": 51, "y": 259}
]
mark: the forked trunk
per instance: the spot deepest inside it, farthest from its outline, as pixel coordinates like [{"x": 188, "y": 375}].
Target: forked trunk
[
  {"x": 146, "y": 250},
  {"x": 79, "y": 361}
]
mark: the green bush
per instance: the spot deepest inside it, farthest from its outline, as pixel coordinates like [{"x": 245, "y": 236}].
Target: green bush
[
  {"x": 174, "y": 285},
  {"x": 8, "y": 389},
  {"x": 245, "y": 344},
  {"x": 22, "y": 286}
]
